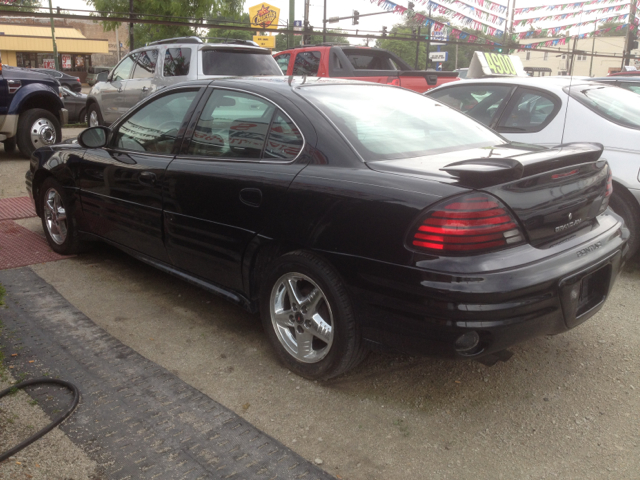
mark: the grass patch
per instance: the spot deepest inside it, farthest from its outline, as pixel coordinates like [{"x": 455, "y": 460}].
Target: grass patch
[{"x": 76, "y": 125}]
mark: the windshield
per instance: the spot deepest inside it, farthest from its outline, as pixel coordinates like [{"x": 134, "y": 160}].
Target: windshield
[
  {"x": 616, "y": 104},
  {"x": 387, "y": 123},
  {"x": 238, "y": 62}
]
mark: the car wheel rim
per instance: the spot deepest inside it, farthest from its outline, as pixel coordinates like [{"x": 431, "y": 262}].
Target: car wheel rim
[
  {"x": 301, "y": 317},
  {"x": 93, "y": 119},
  {"x": 43, "y": 132},
  {"x": 55, "y": 216}
]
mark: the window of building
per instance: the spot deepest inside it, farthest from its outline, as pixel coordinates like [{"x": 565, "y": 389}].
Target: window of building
[
  {"x": 582, "y": 57},
  {"x": 546, "y": 56},
  {"x": 528, "y": 56}
]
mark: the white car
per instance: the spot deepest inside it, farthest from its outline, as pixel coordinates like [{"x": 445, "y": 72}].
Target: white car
[{"x": 551, "y": 111}]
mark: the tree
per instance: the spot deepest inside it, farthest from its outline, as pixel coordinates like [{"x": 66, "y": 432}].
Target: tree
[
  {"x": 613, "y": 32},
  {"x": 407, "y": 49},
  {"x": 333, "y": 36},
  {"x": 207, "y": 10},
  {"x": 222, "y": 34},
  {"x": 20, "y": 5}
]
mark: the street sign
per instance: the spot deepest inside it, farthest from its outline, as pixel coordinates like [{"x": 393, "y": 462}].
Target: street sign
[
  {"x": 439, "y": 34},
  {"x": 266, "y": 41},
  {"x": 438, "y": 56}
]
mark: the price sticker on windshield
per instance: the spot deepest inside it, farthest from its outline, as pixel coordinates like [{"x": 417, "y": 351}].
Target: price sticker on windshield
[{"x": 489, "y": 64}]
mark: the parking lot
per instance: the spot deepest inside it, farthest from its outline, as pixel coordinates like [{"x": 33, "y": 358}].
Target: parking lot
[{"x": 562, "y": 407}]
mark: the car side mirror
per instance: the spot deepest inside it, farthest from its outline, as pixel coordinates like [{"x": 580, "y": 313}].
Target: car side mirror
[{"x": 94, "y": 137}]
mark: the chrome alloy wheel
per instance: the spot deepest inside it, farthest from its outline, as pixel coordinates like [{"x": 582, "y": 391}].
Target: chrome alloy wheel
[
  {"x": 301, "y": 317},
  {"x": 55, "y": 216},
  {"x": 43, "y": 132},
  {"x": 93, "y": 119}
]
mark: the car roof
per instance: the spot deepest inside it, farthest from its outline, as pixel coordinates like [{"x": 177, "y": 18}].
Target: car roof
[
  {"x": 627, "y": 78},
  {"x": 549, "y": 83}
]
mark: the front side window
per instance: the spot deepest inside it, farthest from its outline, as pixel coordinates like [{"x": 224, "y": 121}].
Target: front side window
[
  {"x": 177, "y": 62},
  {"x": 528, "y": 111},
  {"x": 615, "y": 104},
  {"x": 146, "y": 64},
  {"x": 398, "y": 124},
  {"x": 154, "y": 128},
  {"x": 307, "y": 63},
  {"x": 283, "y": 62},
  {"x": 123, "y": 71},
  {"x": 481, "y": 102},
  {"x": 232, "y": 125}
]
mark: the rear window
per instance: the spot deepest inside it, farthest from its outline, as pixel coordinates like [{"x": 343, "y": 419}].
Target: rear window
[
  {"x": 238, "y": 62},
  {"x": 615, "y": 104},
  {"x": 387, "y": 123}
]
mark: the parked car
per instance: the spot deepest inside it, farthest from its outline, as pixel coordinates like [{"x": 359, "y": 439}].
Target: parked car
[
  {"x": 168, "y": 62},
  {"x": 76, "y": 103},
  {"x": 555, "y": 110},
  {"x": 359, "y": 63},
  {"x": 93, "y": 72},
  {"x": 68, "y": 81},
  {"x": 349, "y": 224},
  {"x": 630, "y": 82},
  {"x": 31, "y": 110}
]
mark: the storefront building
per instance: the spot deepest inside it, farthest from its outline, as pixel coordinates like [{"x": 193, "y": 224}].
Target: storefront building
[{"x": 31, "y": 46}]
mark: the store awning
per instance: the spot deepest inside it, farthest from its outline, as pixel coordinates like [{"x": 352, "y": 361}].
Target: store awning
[{"x": 27, "y": 38}]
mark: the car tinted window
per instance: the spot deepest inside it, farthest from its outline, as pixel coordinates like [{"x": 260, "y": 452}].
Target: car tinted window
[
  {"x": 307, "y": 63},
  {"x": 238, "y": 62},
  {"x": 283, "y": 62},
  {"x": 616, "y": 104},
  {"x": 398, "y": 124},
  {"x": 370, "y": 61},
  {"x": 146, "y": 64},
  {"x": 232, "y": 125},
  {"x": 528, "y": 111},
  {"x": 481, "y": 102},
  {"x": 285, "y": 140},
  {"x": 155, "y": 126},
  {"x": 123, "y": 71},
  {"x": 177, "y": 62}
]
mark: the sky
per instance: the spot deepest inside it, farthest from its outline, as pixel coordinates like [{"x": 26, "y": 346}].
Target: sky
[{"x": 373, "y": 24}]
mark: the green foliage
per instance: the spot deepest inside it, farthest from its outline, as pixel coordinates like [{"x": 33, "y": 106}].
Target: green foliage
[
  {"x": 220, "y": 34},
  {"x": 612, "y": 32},
  {"x": 208, "y": 10},
  {"x": 21, "y": 5},
  {"x": 407, "y": 50},
  {"x": 333, "y": 36}
]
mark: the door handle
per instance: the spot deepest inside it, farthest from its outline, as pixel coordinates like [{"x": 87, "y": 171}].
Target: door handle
[
  {"x": 251, "y": 196},
  {"x": 147, "y": 178},
  {"x": 144, "y": 89}
]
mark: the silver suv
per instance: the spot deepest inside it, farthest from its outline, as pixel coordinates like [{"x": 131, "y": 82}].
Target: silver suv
[{"x": 171, "y": 61}]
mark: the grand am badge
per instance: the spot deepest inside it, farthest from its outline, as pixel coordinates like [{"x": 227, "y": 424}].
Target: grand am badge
[{"x": 566, "y": 226}]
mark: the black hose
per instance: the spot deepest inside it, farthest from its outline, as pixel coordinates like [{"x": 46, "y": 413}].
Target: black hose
[{"x": 52, "y": 425}]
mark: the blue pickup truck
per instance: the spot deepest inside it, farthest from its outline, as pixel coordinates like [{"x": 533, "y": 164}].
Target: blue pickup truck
[{"x": 31, "y": 110}]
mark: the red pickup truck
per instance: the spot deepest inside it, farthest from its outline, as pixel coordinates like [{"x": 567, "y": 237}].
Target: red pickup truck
[{"x": 359, "y": 63}]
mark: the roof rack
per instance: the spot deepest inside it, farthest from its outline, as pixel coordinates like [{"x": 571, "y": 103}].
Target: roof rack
[
  {"x": 232, "y": 41},
  {"x": 177, "y": 40}
]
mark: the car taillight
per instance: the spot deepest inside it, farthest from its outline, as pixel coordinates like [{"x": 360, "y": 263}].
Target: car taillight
[
  {"x": 474, "y": 222},
  {"x": 393, "y": 81},
  {"x": 78, "y": 79}
]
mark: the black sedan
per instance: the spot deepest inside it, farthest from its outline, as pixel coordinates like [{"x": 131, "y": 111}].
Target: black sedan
[
  {"x": 69, "y": 81},
  {"x": 76, "y": 103},
  {"x": 351, "y": 216}
]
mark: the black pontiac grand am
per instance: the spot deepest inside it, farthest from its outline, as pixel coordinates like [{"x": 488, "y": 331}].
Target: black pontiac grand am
[{"x": 351, "y": 216}]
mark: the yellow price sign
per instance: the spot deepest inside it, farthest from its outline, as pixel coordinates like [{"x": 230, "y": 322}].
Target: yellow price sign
[
  {"x": 266, "y": 41},
  {"x": 264, "y": 16},
  {"x": 500, "y": 64}
]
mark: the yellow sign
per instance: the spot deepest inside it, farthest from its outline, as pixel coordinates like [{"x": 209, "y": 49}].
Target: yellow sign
[
  {"x": 500, "y": 64},
  {"x": 264, "y": 16},
  {"x": 265, "y": 41}
]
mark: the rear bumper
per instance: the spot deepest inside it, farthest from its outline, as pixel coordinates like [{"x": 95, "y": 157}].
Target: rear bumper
[{"x": 423, "y": 311}]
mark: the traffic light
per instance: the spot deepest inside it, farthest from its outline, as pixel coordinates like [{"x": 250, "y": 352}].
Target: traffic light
[
  {"x": 497, "y": 48},
  {"x": 356, "y": 17},
  {"x": 384, "y": 31}
]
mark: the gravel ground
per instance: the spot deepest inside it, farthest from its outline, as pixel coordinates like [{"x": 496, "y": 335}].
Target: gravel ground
[{"x": 563, "y": 407}]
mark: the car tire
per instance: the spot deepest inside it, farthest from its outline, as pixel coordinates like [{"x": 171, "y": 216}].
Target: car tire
[
  {"x": 304, "y": 301},
  {"x": 625, "y": 205},
  {"x": 83, "y": 117},
  {"x": 58, "y": 221},
  {"x": 37, "y": 128},
  {"x": 94, "y": 117},
  {"x": 9, "y": 145}
]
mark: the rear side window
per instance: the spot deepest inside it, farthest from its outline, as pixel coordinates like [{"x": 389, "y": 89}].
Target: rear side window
[
  {"x": 177, "y": 62},
  {"x": 146, "y": 64},
  {"x": 285, "y": 140},
  {"x": 481, "y": 102},
  {"x": 615, "y": 104},
  {"x": 283, "y": 62},
  {"x": 307, "y": 63},
  {"x": 528, "y": 111},
  {"x": 370, "y": 61},
  {"x": 238, "y": 62}
]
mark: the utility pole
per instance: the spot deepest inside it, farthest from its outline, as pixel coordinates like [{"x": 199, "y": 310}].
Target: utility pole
[
  {"x": 629, "y": 38},
  {"x": 573, "y": 56},
  {"x": 593, "y": 46},
  {"x": 292, "y": 8},
  {"x": 428, "y": 38},
  {"x": 131, "y": 47},
  {"x": 417, "y": 49},
  {"x": 305, "y": 28},
  {"x": 53, "y": 38},
  {"x": 324, "y": 23}
]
